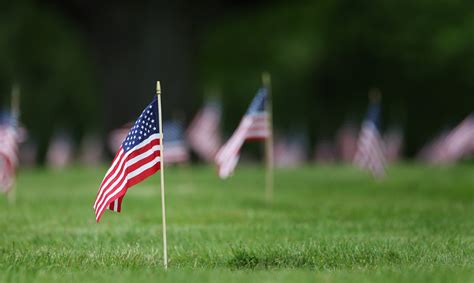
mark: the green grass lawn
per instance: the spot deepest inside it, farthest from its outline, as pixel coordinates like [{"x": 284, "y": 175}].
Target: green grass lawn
[{"x": 326, "y": 224}]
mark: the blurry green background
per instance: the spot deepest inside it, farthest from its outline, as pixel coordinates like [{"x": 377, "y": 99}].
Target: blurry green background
[{"x": 91, "y": 66}]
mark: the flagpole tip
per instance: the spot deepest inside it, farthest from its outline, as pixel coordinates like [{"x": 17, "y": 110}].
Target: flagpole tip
[
  {"x": 266, "y": 79},
  {"x": 158, "y": 87}
]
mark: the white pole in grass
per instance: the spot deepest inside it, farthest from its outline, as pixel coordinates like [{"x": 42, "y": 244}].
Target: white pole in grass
[
  {"x": 15, "y": 112},
  {"x": 266, "y": 80},
  {"x": 162, "y": 177}
]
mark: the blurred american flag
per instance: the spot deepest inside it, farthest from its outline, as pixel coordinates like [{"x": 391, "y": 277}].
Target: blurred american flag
[
  {"x": 203, "y": 134},
  {"x": 117, "y": 136},
  {"x": 175, "y": 149},
  {"x": 370, "y": 153},
  {"x": 253, "y": 126},
  {"x": 290, "y": 150},
  {"x": 451, "y": 146},
  {"x": 430, "y": 150},
  {"x": 9, "y": 139},
  {"x": 61, "y": 150}
]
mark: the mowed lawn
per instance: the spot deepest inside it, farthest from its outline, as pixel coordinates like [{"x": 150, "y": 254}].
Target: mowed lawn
[{"x": 325, "y": 224}]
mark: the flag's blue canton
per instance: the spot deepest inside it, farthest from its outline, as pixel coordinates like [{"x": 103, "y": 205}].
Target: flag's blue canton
[
  {"x": 8, "y": 118},
  {"x": 174, "y": 131},
  {"x": 145, "y": 126},
  {"x": 259, "y": 102},
  {"x": 373, "y": 114}
]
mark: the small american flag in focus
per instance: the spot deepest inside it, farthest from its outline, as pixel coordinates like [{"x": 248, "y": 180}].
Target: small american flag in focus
[
  {"x": 203, "y": 134},
  {"x": 253, "y": 126},
  {"x": 174, "y": 146},
  {"x": 370, "y": 154},
  {"x": 9, "y": 139},
  {"x": 137, "y": 158}
]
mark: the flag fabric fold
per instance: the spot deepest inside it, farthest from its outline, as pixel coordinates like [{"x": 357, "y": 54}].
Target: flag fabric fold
[
  {"x": 137, "y": 158},
  {"x": 253, "y": 126}
]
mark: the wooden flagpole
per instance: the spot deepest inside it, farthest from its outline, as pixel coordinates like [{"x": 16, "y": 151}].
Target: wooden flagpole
[
  {"x": 266, "y": 81},
  {"x": 162, "y": 177},
  {"x": 15, "y": 110}
]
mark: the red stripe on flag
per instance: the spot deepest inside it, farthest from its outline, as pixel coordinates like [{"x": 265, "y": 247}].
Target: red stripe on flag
[
  {"x": 124, "y": 183},
  {"x": 119, "y": 166}
]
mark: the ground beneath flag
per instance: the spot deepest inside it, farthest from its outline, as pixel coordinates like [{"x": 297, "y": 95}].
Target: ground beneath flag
[{"x": 326, "y": 224}]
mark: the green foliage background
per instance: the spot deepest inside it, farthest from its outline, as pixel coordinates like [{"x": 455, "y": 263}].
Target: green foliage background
[
  {"x": 326, "y": 55},
  {"x": 44, "y": 53},
  {"x": 323, "y": 55}
]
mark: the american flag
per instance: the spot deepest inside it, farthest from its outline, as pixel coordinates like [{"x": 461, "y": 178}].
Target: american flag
[
  {"x": 175, "y": 147},
  {"x": 290, "y": 151},
  {"x": 457, "y": 144},
  {"x": 137, "y": 158},
  {"x": 370, "y": 154},
  {"x": 253, "y": 126},
  {"x": 60, "y": 151},
  {"x": 431, "y": 151},
  {"x": 203, "y": 134},
  {"x": 9, "y": 138}
]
